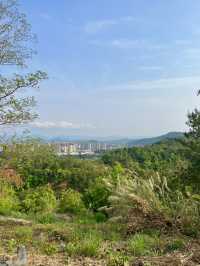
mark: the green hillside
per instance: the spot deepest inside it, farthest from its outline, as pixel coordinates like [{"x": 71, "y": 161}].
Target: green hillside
[{"x": 149, "y": 141}]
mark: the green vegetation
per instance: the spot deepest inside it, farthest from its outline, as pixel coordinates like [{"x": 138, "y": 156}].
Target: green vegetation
[
  {"x": 71, "y": 202},
  {"x": 141, "y": 245},
  {"x": 137, "y": 202},
  {"x": 150, "y": 141},
  {"x": 8, "y": 198},
  {"x": 16, "y": 40},
  {"x": 133, "y": 202},
  {"x": 87, "y": 246},
  {"x": 40, "y": 200}
]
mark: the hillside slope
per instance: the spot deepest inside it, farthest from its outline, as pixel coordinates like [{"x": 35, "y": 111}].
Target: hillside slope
[{"x": 149, "y": 141}]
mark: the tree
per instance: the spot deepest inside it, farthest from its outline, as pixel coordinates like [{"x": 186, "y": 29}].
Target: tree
[
  {"x": 192, "y": 176},
  {"x": 194, "y": 124},
  {"x": 15, "y": 37}
]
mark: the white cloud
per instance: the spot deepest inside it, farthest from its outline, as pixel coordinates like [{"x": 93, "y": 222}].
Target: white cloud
[
  {"x": 45, "y": 16},
  {"x": 125, "y": 43},
  {"x": 127, "y": 19},
  {"x": 166, "y": 84},
  {"x": 150, "y": 68},
  {"x": 61, "y": 125},
  {"x": 183, "y": 42},
  {"x": 192, "y": 53},
  {"x": 95, "y": 26},
  {"x": 119, "y": 43},
  {"x": 130, "y": 44}
]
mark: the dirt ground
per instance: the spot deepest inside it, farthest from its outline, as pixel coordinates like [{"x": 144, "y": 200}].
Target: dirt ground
[
  {"x": 35, "y": 260},
  {"x": 190, "y": 259}
]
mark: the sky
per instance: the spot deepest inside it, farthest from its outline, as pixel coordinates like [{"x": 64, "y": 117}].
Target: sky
[{"x": 116, "y": 67}]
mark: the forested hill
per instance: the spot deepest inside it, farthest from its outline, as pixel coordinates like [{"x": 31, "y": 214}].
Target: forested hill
[
  {"x": 149, "y": 141},
  {"x": 130, "y": 142}
]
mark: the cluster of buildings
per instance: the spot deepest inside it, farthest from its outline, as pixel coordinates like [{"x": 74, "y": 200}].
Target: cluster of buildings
[{"x": 85, "y": 148}]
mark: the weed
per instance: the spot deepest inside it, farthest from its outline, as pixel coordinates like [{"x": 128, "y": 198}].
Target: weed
[
  {"x": 88, "y": 246},
  {"x": 71, "y": 201},
  {"x": 46, "y": 218},
  {"x": 24, "y": 234},
  {"x": 176, "y": 244},
  {"x": 11, "y": 245},
  {"x": 49, "y": 248},
  {"x": 142, "y": 244},
  {"x": 117, "y": 259}
]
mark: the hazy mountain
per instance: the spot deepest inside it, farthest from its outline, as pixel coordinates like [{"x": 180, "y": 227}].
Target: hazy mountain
[
  {"x": 116, "y": 141},
  {"x": 149, "y": 141}
]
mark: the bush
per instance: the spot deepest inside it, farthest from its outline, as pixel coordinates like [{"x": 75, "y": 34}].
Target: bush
[
  {"x": 46, "y": 218},
  {"x": 100, "y": 217},
  {"x": 142, "y": 244},
  {"x": 133, "y": 200},
  {"x": 128, "y": 194},
  {"x": 49, "y": 248},
  {"x": 87, "y": 246},
  {"x": 71, "y": 201},
  {"x": 185, "y": 210},
  {"x": 11, "y": 245},
  {"x": 8, "y": 199},
  {"x": 40, "y": 200},
  {"x": 23, "y": 235},
  {"x": 97, "y": 195},
  {"x": 176, "y": 244},
  {"x": 117, "y": 259}
]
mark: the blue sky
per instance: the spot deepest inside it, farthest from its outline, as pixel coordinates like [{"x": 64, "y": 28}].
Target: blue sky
[{"x": 116, "y": 67}]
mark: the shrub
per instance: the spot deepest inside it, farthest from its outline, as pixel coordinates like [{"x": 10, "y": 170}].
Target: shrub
[
  {"x": 46, "y": 218},
  {"x": 11, "y": 176},
  {"x": 128, "y": 194},
  {"x": 100, "y": 217},
  {"x": 133, "y": 200},
  {"x": 40, "y": 200},
  {"x": 176, "y": 244},
  {"x": 11, "y": 245},
  {"x": 185, "y": 210},
  {"x": 24, "y": 234},
  {"x": 190, "y": 230},
  {"x": 88, "y": 246},
  {"x": 142, "y": 244},
  {"x": 83, "y": 242},
  {"x": 71, "y": 201},
  {"x": 49, "y": 248},
  {"x": 8, "y": 199},
  {"x": 97, "y": 195},
  {"x": 117, "y": 259},
  {"x": 33, "y": 160}
]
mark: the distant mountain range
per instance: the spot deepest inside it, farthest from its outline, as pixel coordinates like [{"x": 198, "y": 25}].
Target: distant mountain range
[
  {"x": 150, "y": 141},
  {"x": 116, "y": 141}
]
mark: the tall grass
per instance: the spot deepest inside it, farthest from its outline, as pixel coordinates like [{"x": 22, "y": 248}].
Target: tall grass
[{"x": 152, "y": 196}]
